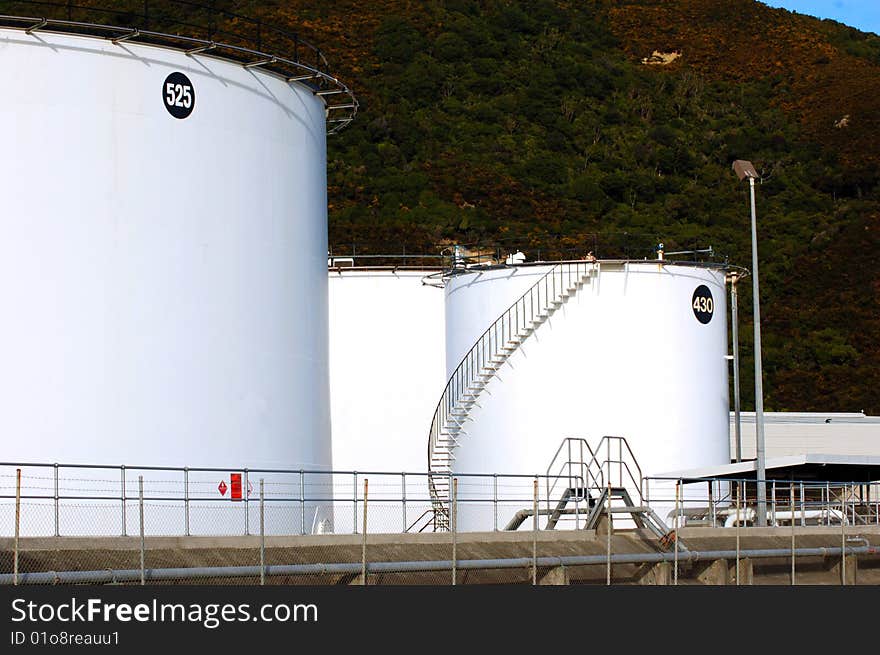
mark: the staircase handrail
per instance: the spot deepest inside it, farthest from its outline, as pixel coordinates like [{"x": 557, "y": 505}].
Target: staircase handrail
[{"x": 476, "y": 358}]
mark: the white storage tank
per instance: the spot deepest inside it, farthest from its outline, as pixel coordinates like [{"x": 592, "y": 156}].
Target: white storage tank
[
  {"x": 387, "y": 368},
  {"x": 163, "y": 260},
  {"x": 638, "y": 350}
]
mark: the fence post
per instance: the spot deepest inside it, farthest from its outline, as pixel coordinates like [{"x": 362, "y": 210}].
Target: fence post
[
  {"x": 454, "y": 526},
  {"x": 843, "y": 549},
  {"x": 773, "y": 503},
  {"x": 364, "y": 541},
  {"x": 186, "y": 499},
  {"x": 354, "y": 513},
  {"x": 535, "y": 534},
  {"x": 677, "y": 528},
  {"x": 262, "y": 536},
  {"x": 57, "y": 528},
  {"x": 302, "y": 501},
  {"x": 711, "y": 484},
  {"x": 247, "y": 494},
  {"x": 122, "y": 482},
  {"x": 608, "y": 539},
  {"x": 141, "y": 512},
  {"x": 803, "y": 506},
  {"x": 495, "y": 498},
  {"x": 17, "y": 525},
  {"x": 738, "y": 501},
  {"x": 791, "y": 497},
  {"x": 403, "y": 496}
]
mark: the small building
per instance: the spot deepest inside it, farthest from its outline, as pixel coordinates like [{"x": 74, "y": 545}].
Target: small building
[{"x": 797, "y": 433}]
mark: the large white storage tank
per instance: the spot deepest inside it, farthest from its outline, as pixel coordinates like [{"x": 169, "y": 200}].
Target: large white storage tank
[
  {"x": 163, "y": 260},
  {"x": 387, "y": 368},
  {"x": 628, "y": 354}
]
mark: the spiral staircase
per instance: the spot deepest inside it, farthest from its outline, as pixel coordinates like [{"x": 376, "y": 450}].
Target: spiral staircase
[{"x": 483, "y": 362}]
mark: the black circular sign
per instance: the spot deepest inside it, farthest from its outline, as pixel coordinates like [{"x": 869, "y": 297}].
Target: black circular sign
[
  {"x": 178, "y": 95},
  {"x": 703, "y": 304}
]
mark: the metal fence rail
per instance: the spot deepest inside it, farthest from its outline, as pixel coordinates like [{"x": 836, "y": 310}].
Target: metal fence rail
[
  {"x": 208, "y": 31},
  {"x": 142, "y": 505},
  {"x": 83, "y": 499}
]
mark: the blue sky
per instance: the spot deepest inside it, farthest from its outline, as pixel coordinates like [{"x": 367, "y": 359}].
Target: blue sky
[{"x": 861, "y": 14}]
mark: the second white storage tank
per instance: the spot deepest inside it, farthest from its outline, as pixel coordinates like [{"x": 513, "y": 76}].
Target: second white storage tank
[{"x": 638, "y": 351}]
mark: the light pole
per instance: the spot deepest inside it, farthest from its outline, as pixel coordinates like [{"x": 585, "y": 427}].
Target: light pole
[{"x": 745, "y": 169}]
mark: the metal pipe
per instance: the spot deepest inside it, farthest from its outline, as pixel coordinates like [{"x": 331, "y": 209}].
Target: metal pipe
[{"x": 131, "y": 575}]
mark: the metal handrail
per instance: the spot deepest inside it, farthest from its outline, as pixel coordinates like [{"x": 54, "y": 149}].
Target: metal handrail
[
  {"x": 580, "y": 464},
  {"x": 59, "y": 488},
  {"x": 636, "y": 477},
  {"x": 508, "y": 330},
  {"x": 304, "y": 64}
]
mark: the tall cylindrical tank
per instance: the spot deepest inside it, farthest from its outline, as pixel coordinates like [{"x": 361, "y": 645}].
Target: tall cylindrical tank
[
  {"x": 386, "y": 372},
  {"x": 163, "y": 259},
  {"x": 629, "y": 354}
]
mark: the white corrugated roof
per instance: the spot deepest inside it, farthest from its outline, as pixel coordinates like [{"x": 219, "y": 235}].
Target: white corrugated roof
[{"x": 807, "y": 459}]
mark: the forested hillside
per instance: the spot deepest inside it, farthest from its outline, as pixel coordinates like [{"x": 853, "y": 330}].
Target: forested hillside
[
  {"x": 536, "y": 122},
  {"x": 546, "y": 124}
]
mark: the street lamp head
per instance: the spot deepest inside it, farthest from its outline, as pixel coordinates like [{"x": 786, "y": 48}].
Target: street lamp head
[{"x": 744, "y": 169}]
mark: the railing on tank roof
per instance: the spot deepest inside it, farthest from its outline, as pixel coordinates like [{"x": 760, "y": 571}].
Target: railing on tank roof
[
  {"x": 456, "y": 257},
  {"x": 360, "y": 256},
  {"x": 215, "y": 32}
]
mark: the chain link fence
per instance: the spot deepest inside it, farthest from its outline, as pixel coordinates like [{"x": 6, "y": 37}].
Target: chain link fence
[{"x": 128, "y": 525}]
